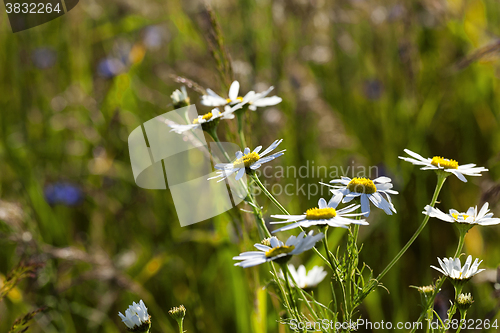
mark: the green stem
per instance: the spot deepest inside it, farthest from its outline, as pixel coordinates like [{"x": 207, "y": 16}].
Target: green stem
[
  {"x": 451, "y": 312},
  {"x": 181, "y": 323},
  {"x": 440, "y": 182},
  {"x": 430, "y": 303},
  {"x": 282, "y": 290},
  {"x": 213, "y": 134},
  {"x": 240, "y": 115},
  {"x": 463, "y": 314},
  {"x": 283, "y": 210},
  {"x": 439, "y": 185},
  {"x": 461, "y": 242},
  {"x": 303, "y": 295},
  {"x": 334, "y": 266},
  {"x": 286, "y": 275},
  {"x": 260, "y": 219},
  {"x": 352, "y": 264},
  {"x": 269, "y": 195}
]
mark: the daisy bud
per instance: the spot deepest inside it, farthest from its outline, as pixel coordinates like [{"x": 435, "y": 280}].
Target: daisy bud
[
  {"x": 426, "y": 290},
  {"x": 178, "y": 313},
  {"x": 464, "y": 301}
]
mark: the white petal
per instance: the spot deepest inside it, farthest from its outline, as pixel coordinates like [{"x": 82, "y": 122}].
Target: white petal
[
  {"x": 322, "y": 203},
  {"x": 234, "y": 90}
]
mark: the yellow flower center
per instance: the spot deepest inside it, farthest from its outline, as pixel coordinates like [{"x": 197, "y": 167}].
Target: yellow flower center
[
  {"x": 238, "y": 99},
  {"x": 206, "y": 116},
  {"x": 276, "y": 251},
  {"x": 246, "y": 160},
  {"x": 456, "y": 216},
  {"x": 320, "y": 213},
  {"x": 444, "y": 162},
  {"x": 362, "y": 185}
]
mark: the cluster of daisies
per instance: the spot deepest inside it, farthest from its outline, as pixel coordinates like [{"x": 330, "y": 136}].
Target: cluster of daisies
[
  {"x": 344, "y": 190},
  {"x": 223, "y": 108},
  {"x": 451, "y": 267},
  {"x": 364, "y": 191}
]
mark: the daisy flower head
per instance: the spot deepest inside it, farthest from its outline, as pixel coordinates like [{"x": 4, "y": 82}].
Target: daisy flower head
[
  {"x": 212, "y": 99},
  {"x": 451, "y": 267},
  {"x": 206, "y": 122},
  {"x": 304, "y": 279},
  {"x": 247, "y": 161},
  {"x": 377, "y": 191},
  {"x": 467, "y": 219},
  {"x": 255, "y": 100},
  {"x": 136, "y": 317},
  {"x": 323, "y": 215},
  {"x": 444, "y": 165},
  {"x": 180, "y": 98},
  {"x": 277, "y": 250}
]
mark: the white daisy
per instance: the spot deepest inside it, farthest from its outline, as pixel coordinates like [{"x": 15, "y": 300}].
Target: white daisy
[
  {"x": 452, "y": 268},
  {"x": 180, "y": 98},
  {"x": 470, "y": 217},
  {"x": 278, "y": 251},
  {"x": 367, "y": 190},
  {"x": 444, "y": 164},
  {"x": 255, "y": 100},
  {"x": 252, "y": 98},
  {"x": 212, "y": 99},
  {"x": 136, "y": 315},
  {"x": 303, "y": 278},
  {"x": 204, "y": 121},
  {"x": 325, "y": 214},
  {"x": 247, "y": 161}
]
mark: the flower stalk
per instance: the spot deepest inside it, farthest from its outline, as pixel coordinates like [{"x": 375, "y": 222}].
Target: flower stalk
[{"x": 440, "y": 181}]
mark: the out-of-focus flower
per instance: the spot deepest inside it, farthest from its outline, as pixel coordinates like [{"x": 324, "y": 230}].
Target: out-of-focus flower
[
  {"x": 180, "y": 98},
  {"x": 153, "y": 37},
  {"x": 136, "y": 317},
  {"x": 325, "y": 215},
  {"x": 110, "y": 67},
  {"x": 63, "y": 193},
  {"x": 373, "y": 89},
  {"x": 212, "y": 99},
  {"x": 443, "y": 164},
  {"x": 247, "y": 161},
  {"x": 367, "y": 190},
  {"x": 252, "y": 99},
  {"x": 44, "y": 57},
  {"x": 305, "y": 279},
  {"x": 255, "y": 100},
  {"x": 207, "y": 121},
  {"x": 278, "y": 251}
]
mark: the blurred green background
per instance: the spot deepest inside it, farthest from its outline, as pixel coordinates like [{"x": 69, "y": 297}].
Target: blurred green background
[{"x": 360, "y": 81}]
